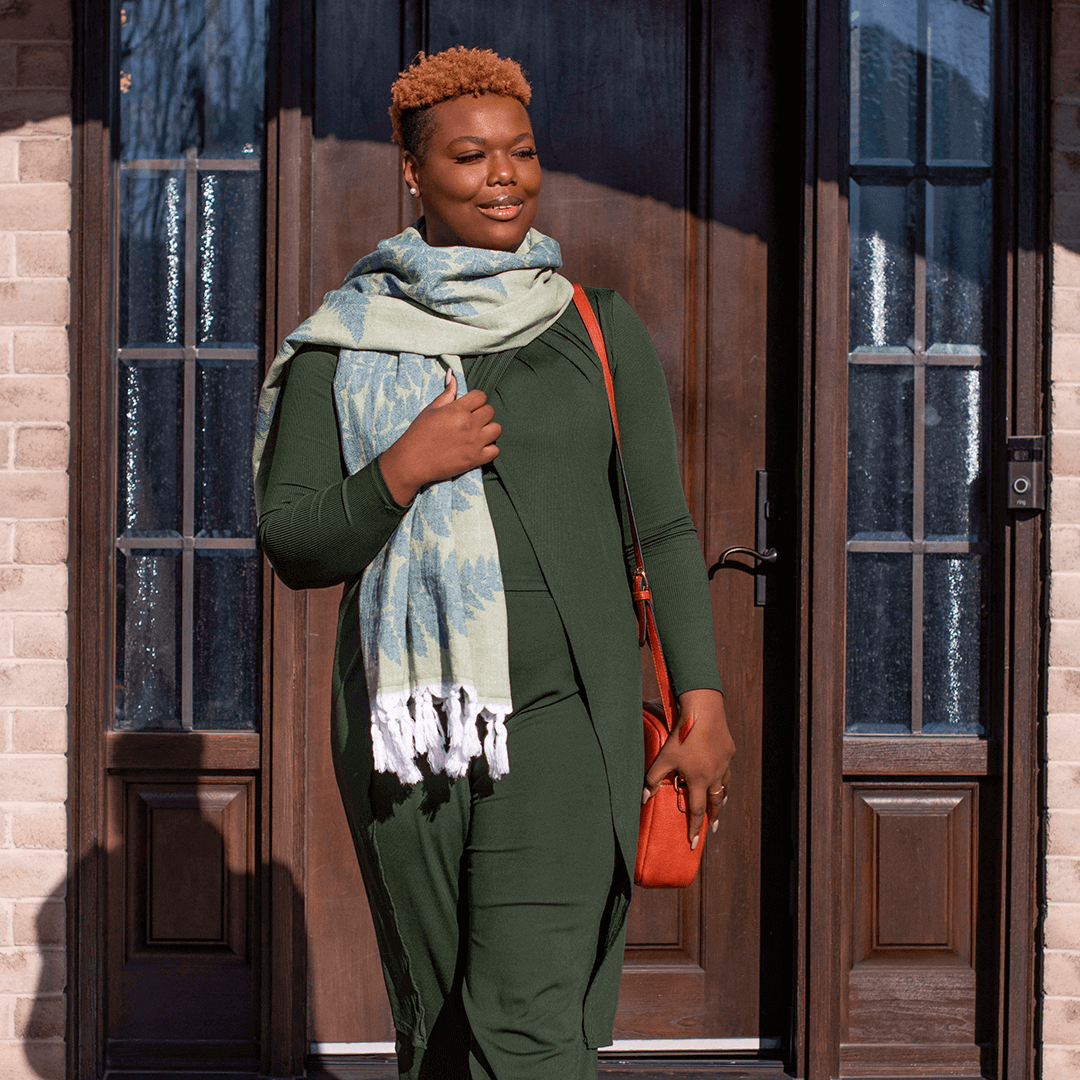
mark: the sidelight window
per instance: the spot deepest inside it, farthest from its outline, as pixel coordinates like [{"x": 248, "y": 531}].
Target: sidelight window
[
  {"x": 920, "y": 365},
  {"x": 188, "y": 333}
]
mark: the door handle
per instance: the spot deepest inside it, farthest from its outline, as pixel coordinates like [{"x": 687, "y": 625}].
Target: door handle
[{"x": 768, "y": 555}]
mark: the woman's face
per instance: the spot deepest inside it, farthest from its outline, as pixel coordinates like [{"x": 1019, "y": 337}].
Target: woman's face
[{"x": 480, "y": 179}]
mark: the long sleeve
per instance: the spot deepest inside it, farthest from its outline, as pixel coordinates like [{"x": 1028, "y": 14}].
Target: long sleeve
[
  {"x": 319, "y": 526},
  {"x": 669, "y": 540}
]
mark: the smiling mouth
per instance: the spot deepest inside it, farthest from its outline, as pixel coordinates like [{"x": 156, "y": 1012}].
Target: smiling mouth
[{"x": 504, "y": 209}]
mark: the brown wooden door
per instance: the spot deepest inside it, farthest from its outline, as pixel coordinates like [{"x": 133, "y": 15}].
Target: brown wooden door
[{"x": 661, "y": 139}]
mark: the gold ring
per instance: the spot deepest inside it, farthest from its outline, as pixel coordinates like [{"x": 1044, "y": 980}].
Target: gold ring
[{"x": 722, "y": 791}]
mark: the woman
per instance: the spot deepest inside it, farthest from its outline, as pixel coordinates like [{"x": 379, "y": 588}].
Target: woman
[{"x": 487, "y": 717}]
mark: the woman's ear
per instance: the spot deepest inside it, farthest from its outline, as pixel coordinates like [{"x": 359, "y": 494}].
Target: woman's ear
[{"x": 411, "y": 171}]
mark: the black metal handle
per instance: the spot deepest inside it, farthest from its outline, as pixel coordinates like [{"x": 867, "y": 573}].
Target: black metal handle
[{"x": 768, "y": 555}]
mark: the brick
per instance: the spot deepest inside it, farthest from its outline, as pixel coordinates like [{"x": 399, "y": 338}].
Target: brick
[
  {"x": 1065, "y": 452},
  {"x": 1065, "y": 70},
  {"x": 1064, "y": 542},
  {"x": 1065, "y": 311},
  {"x": 1065, "y": 125},
  {"x": 40, "y": 1017},
  {"x": 1064, "y": 600},
  {"x": 1065, "y": 25},
  {"x": 1060, "y": 1063},
  {"x": 44, "y": 65},
  {"x": 1063, "y": 690},
  {"x": 33, "y": 777},
  {"x": 7, "y": 635},
  {"x": 7, "y": 541},
  {"x": 40, "y": 922},
  {"x": 33, "y": 588},
  {"x": 9, "y": 159},
  {"x": 35, "y": 112},
  {"x": 7, "y": 255},
  {"x": 45, "y": 161},
  {"x": 1063, "y": 832},
  {"x": 35, "y": 301},
  {"x": 28, "y": 970},
  {"x": 7, "y": 1016},
  {"x": 36, "y": 20},
  {"x": 7, "y": 445},
  {"x": 32, "y": 1060},
  {"x": 1066, "y": 217},
  {"x": 39, "y": 825},
  {"x": 1061, "y": 973},
  {"x": 1064, "y": 643},
  {"x": 1064, "y": 357},
  {"x": 33, "y": 682},
  {"x": 39, "y": 637},
  {"x": 40, "y": 351},
  {"x": 1061, "y": 1020},
  {"x": 35, "y": 397},
  {"x": 40, "y": 542},
  {"x": 7, "y": 922},
  {"x": 32, "y": 873},
  {"x": 47, "y": 447},
  {"x": 7, "y": 350},
  {"x": 1065, "y": 500},
  {"x": 1063, "y": 786},
  {"x": 42, "y": 254},
  {"x": 8, "y": 61},
  {"x": 33, "y": 495},
  {"x": 1063, "y": 880},
  {"x": 29, "y": 207},
  {"x": 39, "y": 731},
  {"x": 1066, "y": 164}
]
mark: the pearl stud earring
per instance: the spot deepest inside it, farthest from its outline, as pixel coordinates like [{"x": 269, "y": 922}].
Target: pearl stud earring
[{"x": 413, "y": 191}]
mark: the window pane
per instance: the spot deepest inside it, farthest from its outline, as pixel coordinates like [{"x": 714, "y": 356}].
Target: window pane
[
  {"x": 191, "y": 75},
  {"x": 230, "y": 258},
  {"x": 226, "y": 391},
  {"x": 884, "y": 66},
  {"x": 227, "y": 640},
  {"x": 878, "y": 643},
  {"x": 151, "y": 258},
  {"x": 954, "y": 642},
  {"x": 148, "y": 613},
  {"x": 880, "y": 449},
  {"x": 958, "y": 268},
  {"x": 150, "y": 447},
  {"x": 961, "y": 125},
  {"x": 882, "y": 314},
  {"x": 955, "y": 493}
]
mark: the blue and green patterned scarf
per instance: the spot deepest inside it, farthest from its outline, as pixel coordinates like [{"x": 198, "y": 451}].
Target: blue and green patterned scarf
[{"x": 432, "y": 611}]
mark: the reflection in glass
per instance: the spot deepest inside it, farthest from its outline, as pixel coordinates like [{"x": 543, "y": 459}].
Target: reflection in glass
[
  {"x": 149, "y": 446},
  {"x": 226, "y": 640},
  {"x": 880, "y": 451},
  {"x": 224, "y": 431},
  {"x": 954, "y": 635},
  {"x": 230, "y": 258},
  {"x": 882, "y": 313},
  {"x": 958, "y": 81},
  {"x": 958, "y": 268},
  {"x": 151, "y": 258},
  {"x": 192, "y": 74},
  {"x": 148, "y": 612},
  {"x": 884, "y": 67},
  {"x": 878, "y": 643},
  {"x": 955, "y": 494}
]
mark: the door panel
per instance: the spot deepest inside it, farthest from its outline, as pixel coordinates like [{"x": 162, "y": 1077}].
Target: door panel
[{"x": 656, "y": 129}]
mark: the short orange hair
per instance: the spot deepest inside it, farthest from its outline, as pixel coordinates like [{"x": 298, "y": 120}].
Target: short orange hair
[{"x": 451, "y": 74}]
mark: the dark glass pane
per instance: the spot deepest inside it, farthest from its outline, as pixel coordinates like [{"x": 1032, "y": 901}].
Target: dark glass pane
[
  {"x": 884, "y": 66},
  {"x": 226, "y": 391},
  {"x": 192, "y": 74},
  {"x": 882, "y": 315},
  {"x": 230, "y": 258},
  {"x": 226, "y": 660},
  {"x": 955, "y": 503},
  {"x": 878, "y": 643},
  {"x": 148, "y": 614},
  {"x": 961, "y": 125},
  {"x": 958, "y": 268},
  {"x": 150, "y": 456},
  {"x": 954, "y": 640},
  {"x": 151, "y": 258},
  {"x": 880, "y": 448}
]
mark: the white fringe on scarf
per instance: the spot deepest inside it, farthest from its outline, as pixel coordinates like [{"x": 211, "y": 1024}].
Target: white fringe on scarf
[{"x": 441, "y": 723}]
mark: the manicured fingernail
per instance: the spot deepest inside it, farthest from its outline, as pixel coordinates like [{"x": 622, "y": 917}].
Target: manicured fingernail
[
  {"x": 646, "y": 794},
  {"x": 446, "y": 381},
  {"x": 724, "y": 803},
  {"x": 693, "y": 843},
  {"x": 715, "y": 824}
]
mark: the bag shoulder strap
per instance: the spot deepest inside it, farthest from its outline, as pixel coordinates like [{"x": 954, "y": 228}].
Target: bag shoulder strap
[{"x": 640, "y": 591}]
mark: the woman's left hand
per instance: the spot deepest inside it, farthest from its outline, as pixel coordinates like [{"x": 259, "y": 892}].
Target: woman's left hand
[{"x": 701, "y": 758}]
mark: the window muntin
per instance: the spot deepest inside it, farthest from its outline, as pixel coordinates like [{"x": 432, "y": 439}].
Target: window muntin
[
  {"x": 190, "y": 86},
  {"x": 920, "y": 204}
]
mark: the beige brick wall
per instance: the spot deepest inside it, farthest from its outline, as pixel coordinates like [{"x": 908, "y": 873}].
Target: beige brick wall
[
  {"x": 1061, "y": 969},
  {"x": 35, "y": 213}
]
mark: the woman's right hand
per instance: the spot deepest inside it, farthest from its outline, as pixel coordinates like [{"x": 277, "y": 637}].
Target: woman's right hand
[{"x": 449, "y": 437}]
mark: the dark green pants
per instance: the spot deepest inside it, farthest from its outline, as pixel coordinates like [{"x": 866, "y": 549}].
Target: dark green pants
[{"x": 489, "y": 898}]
